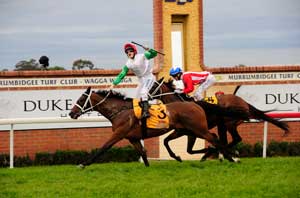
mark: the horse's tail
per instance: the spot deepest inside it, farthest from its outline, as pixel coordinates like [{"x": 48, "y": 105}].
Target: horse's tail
[
  {"x": 261, "y": 115},
  {"x": 234, "y": 112}
]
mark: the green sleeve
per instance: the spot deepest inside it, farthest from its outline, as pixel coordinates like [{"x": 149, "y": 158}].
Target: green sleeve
[
  {"x": 151, "y": 53},
  {"x": 121, "y": 75}
]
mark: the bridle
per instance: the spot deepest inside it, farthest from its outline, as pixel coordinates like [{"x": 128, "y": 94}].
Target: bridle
[
  {"x": 158, "y": 89},
  {"x": 88, "y": 102}
]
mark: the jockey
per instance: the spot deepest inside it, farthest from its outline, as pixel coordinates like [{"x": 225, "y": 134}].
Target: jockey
[
  {"x": 205, "y": 79},
  {"x": 139, "y": 64}
]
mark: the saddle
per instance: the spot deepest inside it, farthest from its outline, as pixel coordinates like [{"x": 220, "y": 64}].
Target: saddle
[{"x": 159, "y": 118}]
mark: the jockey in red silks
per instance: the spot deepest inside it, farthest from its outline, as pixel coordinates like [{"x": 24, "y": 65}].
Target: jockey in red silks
[
  {"x": 204, "y": 79},
  {"x": 139, "y": 64}
]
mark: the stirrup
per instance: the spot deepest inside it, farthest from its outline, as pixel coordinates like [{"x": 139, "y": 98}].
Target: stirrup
[{"x": 146, "y": 115}]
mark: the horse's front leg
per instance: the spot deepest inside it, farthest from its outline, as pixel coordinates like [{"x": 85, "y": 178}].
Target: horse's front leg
[
  {"x": 170, "y": 137},
  {"x": 121, "y": 128},
  {"x": 222, "y": 133},
  {"x": 140, "y": 149},
  {"x": 107, "y": 145}
]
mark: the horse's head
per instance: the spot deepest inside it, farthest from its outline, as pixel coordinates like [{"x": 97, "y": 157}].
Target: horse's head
[
  {"x": 82, "y": 105},
  {"x": 103, "y": 101}
]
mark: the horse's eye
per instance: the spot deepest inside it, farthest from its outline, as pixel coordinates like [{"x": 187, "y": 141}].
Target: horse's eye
[{"x": 81, "y": 101}]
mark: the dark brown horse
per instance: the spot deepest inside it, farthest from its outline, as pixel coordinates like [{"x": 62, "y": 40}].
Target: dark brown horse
[
  {"x": 119, "y": 111},
  {"x": 165, "y": 92}
]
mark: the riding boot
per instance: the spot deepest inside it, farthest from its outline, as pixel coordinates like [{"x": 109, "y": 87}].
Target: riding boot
[
  {"x": 145, "y": 108},
  {"x": 145, "y": 115}
]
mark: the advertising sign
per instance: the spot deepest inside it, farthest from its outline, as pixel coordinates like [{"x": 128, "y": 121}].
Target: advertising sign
[
  {"x": 45, "y": 103},
  {"x": 279, "y": 97}
]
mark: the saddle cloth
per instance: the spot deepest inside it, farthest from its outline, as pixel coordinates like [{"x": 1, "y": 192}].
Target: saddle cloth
[
  {"x": 159, "y": 118},
  {"x": 211, "y": 100}
]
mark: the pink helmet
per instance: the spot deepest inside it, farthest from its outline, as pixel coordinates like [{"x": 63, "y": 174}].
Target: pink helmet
[{"x": 128, "y": 46}]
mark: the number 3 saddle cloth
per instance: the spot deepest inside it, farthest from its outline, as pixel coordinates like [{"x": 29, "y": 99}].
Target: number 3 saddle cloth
[{"x": 159, "y": 118}]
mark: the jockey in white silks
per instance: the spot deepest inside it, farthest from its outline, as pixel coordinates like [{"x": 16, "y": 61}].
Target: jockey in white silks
[{"x": 139, "y": 64}]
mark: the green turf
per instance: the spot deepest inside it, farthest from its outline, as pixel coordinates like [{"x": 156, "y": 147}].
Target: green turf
[{"x": 255, "y": 177}]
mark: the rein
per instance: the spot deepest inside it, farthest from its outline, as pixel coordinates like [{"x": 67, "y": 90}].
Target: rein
[
  {"x": 88, "y": 101},
  {"x": 158, "y": 88}
]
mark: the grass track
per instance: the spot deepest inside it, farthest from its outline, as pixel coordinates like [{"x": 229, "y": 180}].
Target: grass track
[{"x": 254, "y": 177}]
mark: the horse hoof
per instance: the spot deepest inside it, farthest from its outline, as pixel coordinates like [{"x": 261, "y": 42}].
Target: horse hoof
[
  {"x": 236, "y": 160},
  {"x": 81, "y": 166},
  {"x": 178, "y": 159},
  {"x": 221, "y": 157},
  {"x": 203, "y": 160}
]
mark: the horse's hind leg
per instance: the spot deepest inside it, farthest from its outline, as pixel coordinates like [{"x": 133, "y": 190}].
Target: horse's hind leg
[
  {"x": 236, "y": 138},
  {"x": 140, "y": 149},
  {"x": 212, "y": 138},
  {"x": 170, "y": 137}
]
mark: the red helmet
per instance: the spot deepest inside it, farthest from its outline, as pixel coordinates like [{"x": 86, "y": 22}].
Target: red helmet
[{"x": 128, "y": 46}]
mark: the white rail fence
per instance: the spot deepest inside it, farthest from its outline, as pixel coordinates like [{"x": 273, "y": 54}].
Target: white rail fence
[{"x": 15, "y": 121}]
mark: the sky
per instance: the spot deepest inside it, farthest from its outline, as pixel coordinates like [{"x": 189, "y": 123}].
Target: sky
[{"x": 256, "y": 32}]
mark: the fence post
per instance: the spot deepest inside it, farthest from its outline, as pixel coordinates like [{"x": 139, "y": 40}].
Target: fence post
[
  {"x": 11, "y": 146},
  {"x": 265, "y": 139}
]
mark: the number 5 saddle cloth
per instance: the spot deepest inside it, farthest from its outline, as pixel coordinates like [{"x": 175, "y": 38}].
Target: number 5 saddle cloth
[{"x": 159, "y": 118}]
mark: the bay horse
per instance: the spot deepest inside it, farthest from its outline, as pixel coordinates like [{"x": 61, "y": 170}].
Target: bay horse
[
  {"x": 165, "y": 92},
  {"x": 119, "y": 111}
]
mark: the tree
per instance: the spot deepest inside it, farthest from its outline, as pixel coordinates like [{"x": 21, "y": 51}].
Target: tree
[
  {"x": 240, "y": 65},
  {"x": 56, "y": 68},
  {"x": 27, "y": 65},
  {"x": 82, "y": 64}
]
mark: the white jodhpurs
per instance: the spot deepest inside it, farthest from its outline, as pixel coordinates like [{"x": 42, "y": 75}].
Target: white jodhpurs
[
  {"x": 210, "y": 80},
  {"x": 145, "y": 84}
]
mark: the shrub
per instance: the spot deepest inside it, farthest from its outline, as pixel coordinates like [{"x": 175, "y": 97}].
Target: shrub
[
  {"x": 22, "y": 161},
  {"x": 244, "y": 149},
  {"x": 43, "y": 158},
  {"x": 258, "y": 149},
  {"x": 118, "y": 154},
  {"x": 69, "y": 157},
  {"x": 294, "y": 149},
  {"x": 277, "y": 149},
  {"x": 115, "y": 154},
  {"x": 4, "y": 160}
]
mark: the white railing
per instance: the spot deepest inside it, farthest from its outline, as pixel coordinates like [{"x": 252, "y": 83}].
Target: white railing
[
  {"x": 15, "y": 121},
  {"x": 276, "y": 115}
]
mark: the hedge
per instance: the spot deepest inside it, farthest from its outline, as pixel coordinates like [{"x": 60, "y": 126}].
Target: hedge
[
  {"x": 128, "y": 154},
  {"x": 115, "y": 154}
]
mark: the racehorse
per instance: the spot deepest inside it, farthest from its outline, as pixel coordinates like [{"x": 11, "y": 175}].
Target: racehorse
[
  {"x": 119, "y": 111},
  {"x": 165, "y": 92}
]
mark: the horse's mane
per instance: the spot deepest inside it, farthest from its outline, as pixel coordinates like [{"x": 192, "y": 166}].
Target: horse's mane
[
  {"x": 169, "y": 84},
  {"x": 113, "y": 94}
]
